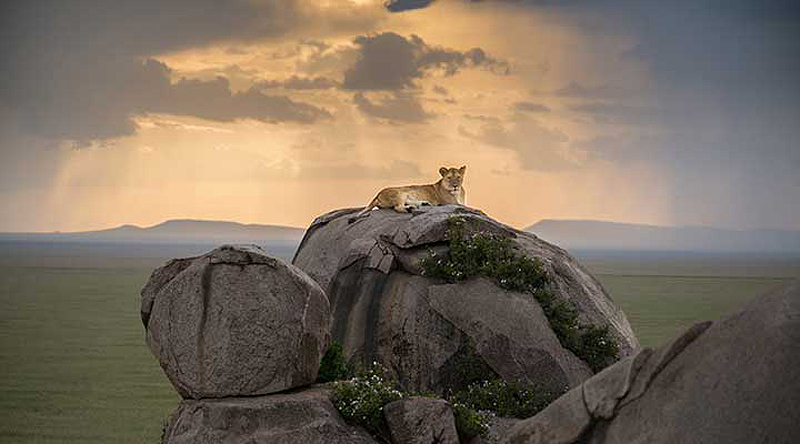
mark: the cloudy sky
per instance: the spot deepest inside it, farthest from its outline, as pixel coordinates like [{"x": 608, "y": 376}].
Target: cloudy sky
[{"x": 275, "y": 111}]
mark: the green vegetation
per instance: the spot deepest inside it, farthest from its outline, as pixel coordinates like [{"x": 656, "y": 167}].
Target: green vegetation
[
  {"x": 661, "y": 307},
  {"x": 592, "y": 344},
  {"x": 333, "y": 365},
  {"x": 507, "y": 399},
  {"x": 464, "y": 367},
  {"x": 470, "y": 422},
  {"x": 361, "y": 399},
  {"x": 494, "y": 256},
  {"x": 474, "y": 385},
  {"x": 74, "y": 367}
]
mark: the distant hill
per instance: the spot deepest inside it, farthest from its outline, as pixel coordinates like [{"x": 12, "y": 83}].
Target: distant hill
[
  {"x": 175, "y": 232},
  {"x": 590, "y": 234}
]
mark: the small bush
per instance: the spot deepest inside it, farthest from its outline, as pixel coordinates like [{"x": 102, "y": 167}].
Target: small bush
[
  {"x": 361, "y": 399},
  {"x": 598, "y": 350},
  {"x": 485, "y": 254},
  {"x": 493, "y": 256},
  {"x": 469, "y": 422},
  {"x": 333, "y": 365},
  {"x": 464, "y": 367},
  {"x": 505, "y": 399}
]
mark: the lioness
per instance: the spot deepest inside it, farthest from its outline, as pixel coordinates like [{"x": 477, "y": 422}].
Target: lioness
[{"x": 448, "y": 190}]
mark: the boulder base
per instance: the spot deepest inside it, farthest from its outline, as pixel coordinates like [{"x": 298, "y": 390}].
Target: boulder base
[{"x": 306, "y": 416}]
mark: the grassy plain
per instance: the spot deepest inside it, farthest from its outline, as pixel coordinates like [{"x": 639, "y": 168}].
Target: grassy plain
[
  {"x": 663, "y": 293},
  {"x": 74, "y": 367}
]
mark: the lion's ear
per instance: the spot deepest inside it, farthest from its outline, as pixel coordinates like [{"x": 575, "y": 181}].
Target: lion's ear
[
  {"x": 463, "y": 169},
  {"x": 443, "y": 171}
]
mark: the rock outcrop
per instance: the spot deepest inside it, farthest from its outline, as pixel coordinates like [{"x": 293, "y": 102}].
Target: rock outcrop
[
  {"x": 422, "y": 329},
  {"x": 235, "y": 322},
  {"x": 421, "y": 420},
  {"x": 736, "y": 380},
  {"x": 306, "y": 416}
]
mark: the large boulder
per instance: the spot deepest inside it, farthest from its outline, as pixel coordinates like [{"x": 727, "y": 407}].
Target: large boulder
[
  {"x": 421, "y": 420},
  {"x": 425, "y": 331},
  {"x": 235, "y": 322},
  {"x": 306, "y": 416},
  {"x": 736, "y": 380}
]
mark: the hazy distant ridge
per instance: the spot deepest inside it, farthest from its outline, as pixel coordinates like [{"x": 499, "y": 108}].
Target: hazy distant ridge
[
  {"x": 571, "y": 234},
  {"x": 590, "y": 234},
  {"x": 176, "y": 231}
]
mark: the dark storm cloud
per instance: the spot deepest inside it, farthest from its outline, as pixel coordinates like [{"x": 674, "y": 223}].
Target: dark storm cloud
[
  {"x": 190, "y": 97},
  {"x": 147, "y": 27},
  {"x": 73, "y": 70},
  {"x": 725, "y": 75},
  {"x": 100, "y": 102},
  {"x": 389, "y": 61},
  {"x": 29, "y": 168},
  {"x": 406, "y": 5},
  {"x": 401, "y": 107}
]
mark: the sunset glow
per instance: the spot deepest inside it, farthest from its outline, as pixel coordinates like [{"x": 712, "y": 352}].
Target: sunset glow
[{"x": 559, "y": 112}]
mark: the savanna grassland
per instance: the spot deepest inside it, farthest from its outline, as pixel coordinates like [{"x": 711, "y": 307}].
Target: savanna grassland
[{"x": 74, "y": 367}]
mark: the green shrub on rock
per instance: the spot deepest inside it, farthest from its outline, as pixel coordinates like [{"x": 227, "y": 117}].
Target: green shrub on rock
[
  {"x": 494, "y": 256},
  {"x": 464, "y": 367},
  {"x": 484, "y": 254},
  {"x": 507, "y": 399},
  {"x": 360, "y": 401},
  {"x": 470, "y": 422},
  {"x": 333, "y": 366}
]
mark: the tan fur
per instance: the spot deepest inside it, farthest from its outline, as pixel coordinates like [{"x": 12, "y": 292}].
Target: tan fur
[{"x": 448, "y": 190}]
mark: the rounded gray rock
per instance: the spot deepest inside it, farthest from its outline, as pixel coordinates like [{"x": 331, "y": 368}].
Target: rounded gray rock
[
  {"x": 736, "y": 380},
  {"x": 235, "y": 322},
  {"x": 384, "y": 309}
]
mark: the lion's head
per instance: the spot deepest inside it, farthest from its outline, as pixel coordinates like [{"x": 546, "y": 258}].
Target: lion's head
[{"x": 452, "y": 178}]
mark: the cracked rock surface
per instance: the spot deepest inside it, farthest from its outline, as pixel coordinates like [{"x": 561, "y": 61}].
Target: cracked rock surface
[
  {"x": 235, "y": 322},
  {"x": 420, "y": 329},
  {"x": 736, "y": 380}
]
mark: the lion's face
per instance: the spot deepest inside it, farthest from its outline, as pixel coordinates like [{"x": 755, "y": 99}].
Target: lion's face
[{"x": 452, "y": 178}]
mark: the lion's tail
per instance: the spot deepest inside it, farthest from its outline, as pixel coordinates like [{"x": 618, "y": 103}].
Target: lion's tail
[{"x": 372, "y": 204}]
